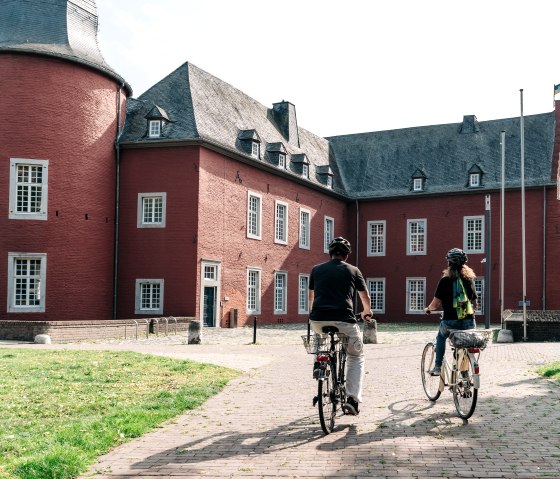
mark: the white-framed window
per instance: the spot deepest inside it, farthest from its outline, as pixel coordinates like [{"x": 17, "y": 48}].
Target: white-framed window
[
  {"x": 29, "y": 187},
  {"x": 281, "y": 160},
  {"x": 304, "y": 228},
  {"x": 417, "y": 184},
  {"x": 329, "y": 181},
  {"x": 255, "y": 149},
  {"x": 211, "y": 272},
  {"x": 151, "y": 210},
  {"x": 376, "y": 238},
  {"x": 253, "y": 291},
  {"x": 376, "y": 288},
  {"x": 254, "y": 215},
  {"x": 149, "y": 296},
  {"x": 479, "y": 289},
  {"x": 328, "y": 232},
  {"x": 303, "y": 294},
  {"x": 154, "y": 130},
  {"x": 27, "y": 273},
  {"x": 280, "y": 292},
  {"x": 473, "y": 234},
  {"x": 416, "y": 237},
  {"x": 305, "y": 170},
  {"x": 280, "y": 222},
  {"x": 474, "y": 180},
  {"x": 415, "y": 295}
]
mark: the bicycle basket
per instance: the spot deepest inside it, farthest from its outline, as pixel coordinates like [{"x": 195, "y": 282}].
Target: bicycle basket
[
  {"x": 320, "y": 343},
  {"x": 469, "y": 339}
]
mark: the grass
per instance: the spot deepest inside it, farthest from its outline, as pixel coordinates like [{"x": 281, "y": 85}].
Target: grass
[
  {"x": 550, "y": 371},
  {"x": 62, "y": 409}
]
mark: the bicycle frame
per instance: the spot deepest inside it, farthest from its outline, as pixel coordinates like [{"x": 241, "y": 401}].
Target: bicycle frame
[{"x": 460, "y": 355}]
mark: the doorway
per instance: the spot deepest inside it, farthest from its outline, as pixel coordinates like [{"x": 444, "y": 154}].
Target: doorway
[{"x": 210, "y": 293}]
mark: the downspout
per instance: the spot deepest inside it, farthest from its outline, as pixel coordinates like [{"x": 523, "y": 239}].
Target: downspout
[
  {"x": 544, "y": 251},
  {"x": 117, "y": 199}
]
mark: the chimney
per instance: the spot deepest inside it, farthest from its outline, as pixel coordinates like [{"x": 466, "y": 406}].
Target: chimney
[
  {"x": 284, "y": 114},
  {"x": 469, "y": 125}
]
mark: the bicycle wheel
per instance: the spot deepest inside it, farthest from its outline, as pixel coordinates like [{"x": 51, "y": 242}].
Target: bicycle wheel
[
  {"x": 327, "y": 401},
  {"x": 429, "y": 382},
  {"x": 464, "y": 392}
]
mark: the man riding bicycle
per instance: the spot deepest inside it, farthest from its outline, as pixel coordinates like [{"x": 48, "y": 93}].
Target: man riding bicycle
[{"x": 332, "y": 286}]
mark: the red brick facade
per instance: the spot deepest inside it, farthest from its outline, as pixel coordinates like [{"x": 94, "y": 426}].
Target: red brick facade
[{"x": 65, "y": 114}]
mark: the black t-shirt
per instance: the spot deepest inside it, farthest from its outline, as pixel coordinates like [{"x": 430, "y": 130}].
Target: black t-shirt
[
  {"x": 444, "y": 292},
  {"x": 334, "y": 284}
]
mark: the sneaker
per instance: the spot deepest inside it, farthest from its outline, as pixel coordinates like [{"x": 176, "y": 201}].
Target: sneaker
[
  {"x": 351, "y": 407},
  {"x": 436, "y": 371}
]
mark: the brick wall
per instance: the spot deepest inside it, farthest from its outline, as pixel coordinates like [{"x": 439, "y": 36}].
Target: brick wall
[
  {"x": 541, "y": 325},
  {"x": 70, "y": 331}
]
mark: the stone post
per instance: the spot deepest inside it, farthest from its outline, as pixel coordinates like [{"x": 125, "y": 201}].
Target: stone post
[{"x": 370, "y": 332}]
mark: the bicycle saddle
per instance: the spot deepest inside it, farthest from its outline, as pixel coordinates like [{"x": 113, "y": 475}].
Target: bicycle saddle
[{"x": 329, "y": 329}]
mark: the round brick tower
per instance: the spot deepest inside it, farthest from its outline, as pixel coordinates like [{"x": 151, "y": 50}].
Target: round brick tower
[{"x": 61, "y": 105}]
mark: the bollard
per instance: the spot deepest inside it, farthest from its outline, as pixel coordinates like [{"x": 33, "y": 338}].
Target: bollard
[
  {"x": 308, "y": 329},
  {"x": 255, "y": 330},
  {"x": 370, "y": 332}
]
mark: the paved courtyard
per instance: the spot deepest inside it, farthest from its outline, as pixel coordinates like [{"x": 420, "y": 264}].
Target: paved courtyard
[{"x": 263, "y": 425}]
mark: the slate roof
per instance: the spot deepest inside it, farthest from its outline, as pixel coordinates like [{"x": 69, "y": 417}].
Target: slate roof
[
  {"x": 204, "y": 108},
  {"x": 382, "y": 164},
  {"x": 58, "y": 28},
  {"x": 372, "y": 165}
]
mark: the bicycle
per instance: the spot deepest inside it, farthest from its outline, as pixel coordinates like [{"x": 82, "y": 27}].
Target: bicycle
[
  {"x": 462, "y": 376},
  {"x": 329, "y": 370}
]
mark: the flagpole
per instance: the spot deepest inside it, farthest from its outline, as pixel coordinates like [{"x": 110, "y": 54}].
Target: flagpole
[
  {"x": 502, "y": 213},
  {"x": 523, "y": 259}
]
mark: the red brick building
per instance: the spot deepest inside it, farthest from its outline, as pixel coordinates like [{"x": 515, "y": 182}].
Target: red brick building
[{"x": 208, "y": 204}]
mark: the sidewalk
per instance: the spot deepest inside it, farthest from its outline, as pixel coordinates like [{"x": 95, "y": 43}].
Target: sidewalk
[{"x": 263, "y": 425}]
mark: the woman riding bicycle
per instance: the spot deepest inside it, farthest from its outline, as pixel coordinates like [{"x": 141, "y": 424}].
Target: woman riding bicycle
[
  {"x": 331, "y": 293},
  {"x": 455, "y": 293}
]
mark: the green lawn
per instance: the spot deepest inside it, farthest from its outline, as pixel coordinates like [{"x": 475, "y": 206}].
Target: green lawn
[
  {"x": 551, "y": 371},
  {"x": 60, "y": 410}
]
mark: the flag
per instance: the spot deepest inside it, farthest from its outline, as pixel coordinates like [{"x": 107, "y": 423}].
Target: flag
[{"x": 557, "y": 89}]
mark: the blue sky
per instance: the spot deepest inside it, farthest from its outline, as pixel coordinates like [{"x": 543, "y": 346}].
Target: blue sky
[{"x": 353, "y": 66}]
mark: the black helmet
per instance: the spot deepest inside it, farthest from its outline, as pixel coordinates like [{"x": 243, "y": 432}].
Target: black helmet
[
  {"x": 340, "y": 246},
  {"x": 456, "y": 257}
]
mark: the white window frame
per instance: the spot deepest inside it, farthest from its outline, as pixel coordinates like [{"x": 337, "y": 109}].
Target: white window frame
[
  {"x": 479, "y": 288},
  {"x": 138, "y": 309},
  {"x": 282, "y": 161},
  {"x": 304, "y": 228},
  {"x": 41, "y": 278},
  {"x": 421, "y": 301},
  {"x": 413, "y": 238},
  {"x": 280, "y": 224},
  {"x": 305, "y": 170},
  {"x": 154, "y": 129},
  {"x": 280, "y": 292},
  {"x": 474, "y": 180},
  {"x": 42, "y": 214},
  {"x": 417, "y": 184},
  {"x": 474, "y": 235},
  {"x": 303, "y": 294},
  {"x": 328, "y": 233},
  {"x": 377, "y": 296},
  {"x": 255, "y": 149},
  {"x": 373, "y": 247},
  {"x": 253, "y": 288},
  {"x": 254, "y": 215},
  {"x": 329, "y": 181},
  {"x": 140, "y": 210}
]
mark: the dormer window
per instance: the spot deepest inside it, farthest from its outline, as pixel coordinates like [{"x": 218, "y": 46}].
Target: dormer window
[
  {"x": 325, "y": 175},
  {"x": 255, "y": 149},
  {"x": 329, "y": 181},
  {"x": 157, "y": 119},
  {"x": 154, "y": 129},
  {"x": 281, "y": 160},
  {"x": 474, "y": 180},
  {"x": 249, "y": 142},
  {"x": 305, "y": 170},
  {"x": 475, "y": 177},
  {"x": 418, "y": 180}
]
